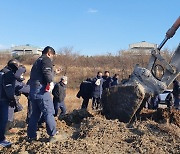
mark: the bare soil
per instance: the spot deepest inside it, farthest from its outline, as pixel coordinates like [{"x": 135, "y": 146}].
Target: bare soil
[
  {"x": 93, "y": 133},
  {"x": 90, "y": 132}
]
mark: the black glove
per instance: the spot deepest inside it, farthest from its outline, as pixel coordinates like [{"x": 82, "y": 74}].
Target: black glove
[
  {"x": 18, "y": 107},
  {"x": 78, "y": 95},
  {"x": 26, "y": 94},
  {"x": 12, "y": 103}
]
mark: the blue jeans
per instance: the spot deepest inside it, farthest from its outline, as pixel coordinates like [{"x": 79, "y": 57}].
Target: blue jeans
[
  {"x": 59, "y": 105},
  {"x": 42, "y": 104},
  {"x": 3, "y": 118}
]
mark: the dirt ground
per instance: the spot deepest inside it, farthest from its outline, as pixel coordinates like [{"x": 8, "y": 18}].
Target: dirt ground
[{"x": 90, "y": 132}]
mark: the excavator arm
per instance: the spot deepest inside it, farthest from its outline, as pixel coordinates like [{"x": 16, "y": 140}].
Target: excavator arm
[
  {"x": 172, "y": 69},
  {"x": 125, "y": 101},
  {"x": 148, "y": 77}
]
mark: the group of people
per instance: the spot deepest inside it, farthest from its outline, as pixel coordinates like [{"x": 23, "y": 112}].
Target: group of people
[
  {"x": 41, "y": 107},
  {"x": 93, "y": 88}
]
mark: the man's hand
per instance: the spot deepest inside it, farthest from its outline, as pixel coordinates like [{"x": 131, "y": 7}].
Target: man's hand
[
  {"x": 12, "y": 103},
  {"x": 49, "y": 87}
]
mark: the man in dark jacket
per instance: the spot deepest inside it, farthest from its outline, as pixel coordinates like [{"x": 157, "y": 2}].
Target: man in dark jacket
[
  {"x": 20, "y": 88},
  {"x": 41, "y": 85},
  {"x": 153, "y": 101},
  {"x": 97, "y": 91},
  {"x": 86, "y": 89},
  {"x": 7, "y": 96},
  {"x": 106, "y": 80},
  {"x": 176, "y": 94},
  {"x": 169, "y": 100},
  {"x": 115, "y": 81},
  {"x": 59, "y": 93}
]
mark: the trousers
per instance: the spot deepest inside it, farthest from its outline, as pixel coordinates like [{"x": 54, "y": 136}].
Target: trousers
[
  {"x": 3, "y": 118},
  {"x": 59, "y": 105},
  {"x": 42, "y": 104}
]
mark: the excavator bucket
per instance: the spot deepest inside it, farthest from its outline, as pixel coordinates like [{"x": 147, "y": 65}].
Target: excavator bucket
[
  {"x": 125, "y": 101},
  {"x": 122, "y": 101}
]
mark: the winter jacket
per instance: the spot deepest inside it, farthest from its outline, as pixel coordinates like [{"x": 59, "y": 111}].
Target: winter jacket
[
  {"x": 42, "y": 71},
  {"x": 7, "y": 85},
  {"x": 155, "y": 100},
  {"x": 176, "y": 89},
  {"x": 86, "y": 89},
  {"x": 114, "y": 81},
  {"x": 59, "y": 92},
  {"x": 169, "y": 100},
  {"x": 97, "y": 87},
  {"x": 106, "y": 82}
]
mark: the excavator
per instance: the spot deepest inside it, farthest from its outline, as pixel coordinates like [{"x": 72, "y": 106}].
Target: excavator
[{"x": 125, "y": 101}]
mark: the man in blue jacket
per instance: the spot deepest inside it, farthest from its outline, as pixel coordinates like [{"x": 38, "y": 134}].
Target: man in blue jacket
[
  {"x": 97, "y": 91},
  {"x": 106, "y": 80},
  {"x": 115, "y": 81},
  {"x": 7, "y": 96},
  {"x": 41, "y": 85},
  {"x": 20, "y": 88}
]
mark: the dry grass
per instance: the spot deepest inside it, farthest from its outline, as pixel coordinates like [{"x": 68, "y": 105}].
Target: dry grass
[{"x": 71, "y": 101}]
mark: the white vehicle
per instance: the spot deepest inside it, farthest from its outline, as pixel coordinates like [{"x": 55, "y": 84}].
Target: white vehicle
[{"x": 164, "y": 95}]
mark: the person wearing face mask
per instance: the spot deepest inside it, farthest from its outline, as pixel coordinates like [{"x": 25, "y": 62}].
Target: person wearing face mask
[
  {"x": 59, "y": 93},
  {"x": 41, "y": 85},
  {"x": 107, "y": 80},
  {"x": 97, "y": 91},
  {"x": 20, "y": 88},
  {"x": 7, "y": 96},
  {"x": 115, "y": 81}
]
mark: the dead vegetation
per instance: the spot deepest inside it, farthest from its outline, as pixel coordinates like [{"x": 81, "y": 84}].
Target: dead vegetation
[
  {"x": 78, "y": 67},
  {"x": 90, "y": 132}
]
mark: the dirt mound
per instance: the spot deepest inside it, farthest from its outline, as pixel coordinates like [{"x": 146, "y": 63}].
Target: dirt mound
[
  {"x": 76, "y": 116},
  {"x": 96, "y": 134},
  {"x": 162, "y": 115}
]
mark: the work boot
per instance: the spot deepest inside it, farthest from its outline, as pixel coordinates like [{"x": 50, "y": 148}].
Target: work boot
[
  {"x": 33, "y": 139},
  {"x": 5, "y": 143},
  {"x": 61, "y": 117},
  {"x": 58, "y": 137}
]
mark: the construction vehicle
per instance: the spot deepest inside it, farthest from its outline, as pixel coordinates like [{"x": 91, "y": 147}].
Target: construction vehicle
[{"x": 125, "y": 101}]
